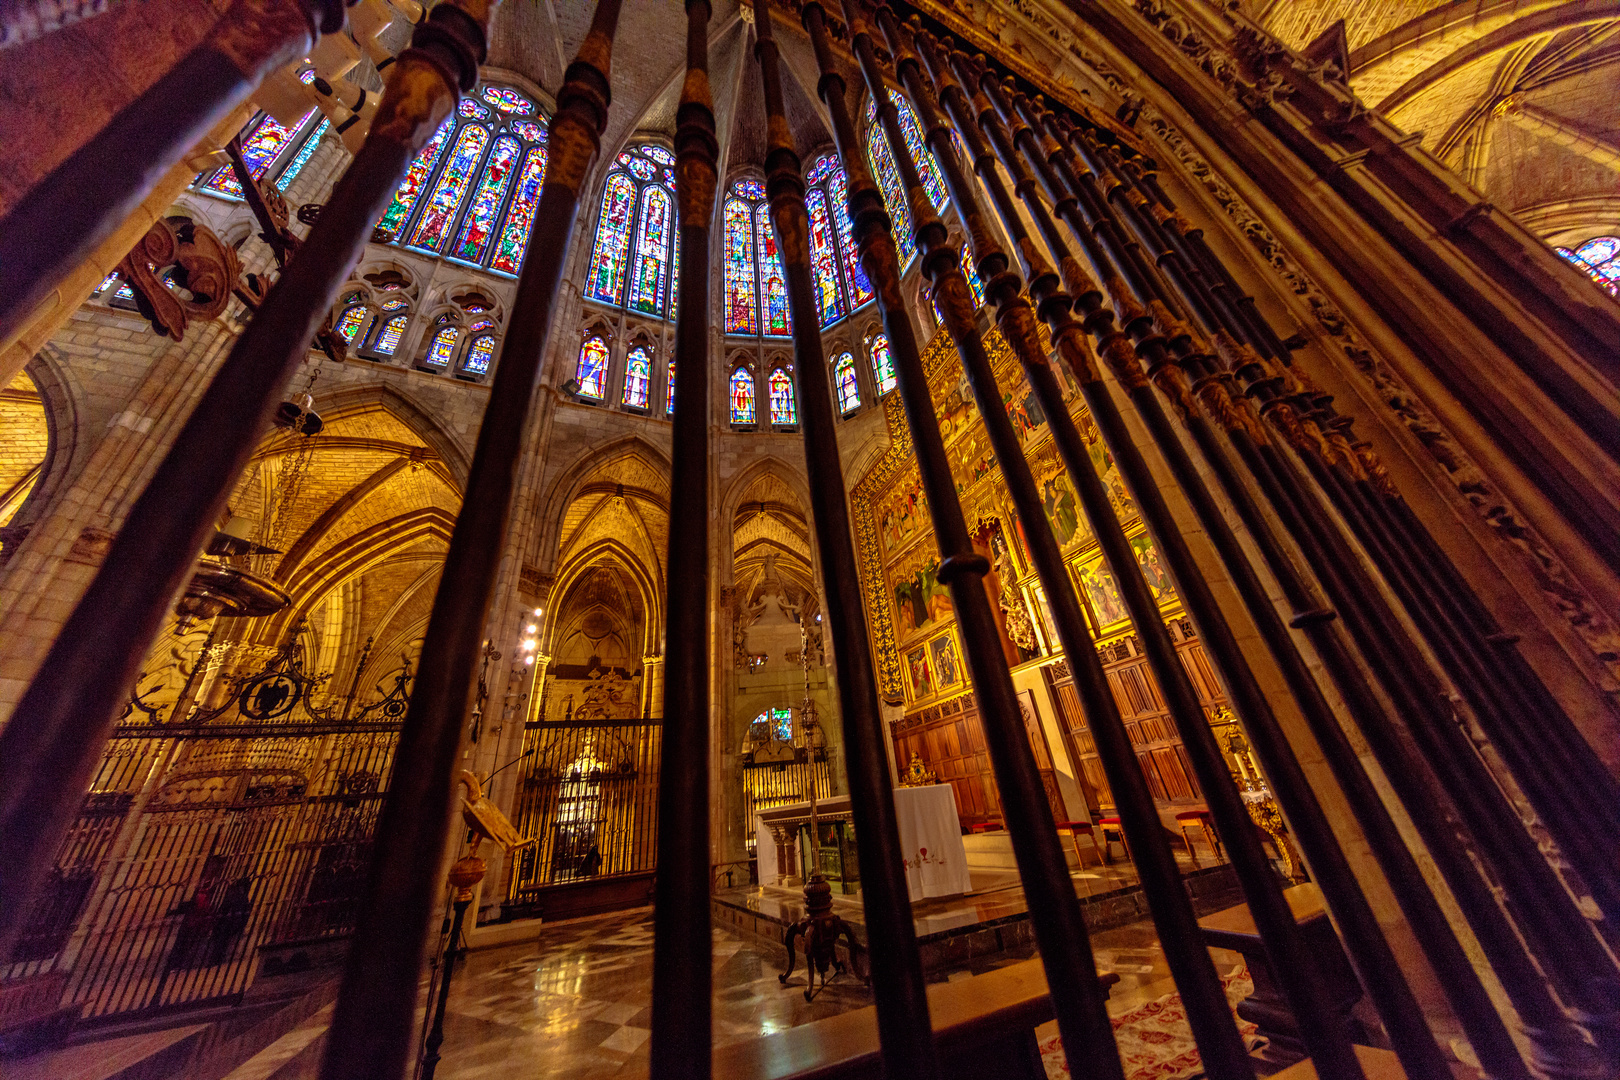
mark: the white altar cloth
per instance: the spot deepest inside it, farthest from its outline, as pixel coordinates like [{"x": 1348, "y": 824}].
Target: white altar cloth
[{"x": 930, "y": 842}]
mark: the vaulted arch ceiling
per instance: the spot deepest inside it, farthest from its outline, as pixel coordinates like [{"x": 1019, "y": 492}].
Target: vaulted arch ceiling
[{"x": 1518, "y": 96}]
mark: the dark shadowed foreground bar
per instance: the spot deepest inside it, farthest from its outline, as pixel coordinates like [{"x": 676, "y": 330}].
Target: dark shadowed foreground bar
[
  {"x": 682, "y": 976},
  {"x": 904, "y": 1029},
  {"x": 49, "y": 749}
]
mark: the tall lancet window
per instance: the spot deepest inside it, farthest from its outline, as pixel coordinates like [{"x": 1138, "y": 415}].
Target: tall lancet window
[
  {"x": 784, "y": 413},
  {"x": 882, "y": 363},
  {"x": 633, "y": 258},
  {"x": 849, "y": 390},
  {"x": 755, "y": 285},
  {"x": 888, "y": 173},
  {"x": 841, "y": 284},
  {"x": 271, "y": 149},
  {"x": 637, "y": 376},
  {"x": 742, "y": 396},
  {"x": 591, "y": 370},
  {"x": 471, "y": 193}
]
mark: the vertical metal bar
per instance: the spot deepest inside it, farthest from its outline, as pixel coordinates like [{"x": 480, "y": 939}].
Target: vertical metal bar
[
  {"x": 1054, "y": 911},
  {"x": 1486, "y": 1032},
  {"x": 904, "y": 1029},
  {"x": 371, "y": 1023},
  {"x": 49, "y": 748},
  {"x": 62, "y": 219},
  {"x": 682, "y": 1010},
  {"x": 1328, "y": 1042}
]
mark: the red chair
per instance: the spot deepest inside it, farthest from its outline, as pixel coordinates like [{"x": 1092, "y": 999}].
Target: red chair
[{"x": 1112, "y": 830}]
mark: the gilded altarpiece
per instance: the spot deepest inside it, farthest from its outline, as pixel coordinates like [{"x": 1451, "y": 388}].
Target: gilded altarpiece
[{"x": 913, "y": 624}]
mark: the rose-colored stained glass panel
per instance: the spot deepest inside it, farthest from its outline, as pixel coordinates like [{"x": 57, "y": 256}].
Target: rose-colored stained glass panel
[
  {"x": 650, "y": 278},
  {"x": 742, "y": 306},
  {"x": 591, "y": 371},
  {"x": 611, "y": 255},
  {"x": 454, "y": 181},
  {"x": 416, "y": 178},
  {"x": 471, "y": 110},
  {"x": 783, "y": 410},
  {"x": 472, "y": 239},
  {"x": 742, "y": 397},
  {"x": 508, "y": 101}
]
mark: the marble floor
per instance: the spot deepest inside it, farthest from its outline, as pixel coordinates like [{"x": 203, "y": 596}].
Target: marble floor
[{"x": 575, "y": 1003}]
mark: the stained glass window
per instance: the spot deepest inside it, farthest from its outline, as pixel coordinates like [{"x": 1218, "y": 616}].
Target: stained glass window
[
  {"x": 387, "y": 339},
  {"x": 300, "y": 159},
  {"x": 633, "y": 260},
  {"x": 637, "y": 377},
  {"x": 669, "y": 391},
  {"x": 972, "y": 276},
  {"x": 742, "y": 397},
  {"x": 849, "y": 390},
  {"x": 894, "y": 195},
  {"x": 773, "y": 298},
  {"x": 472, "y": 239},
  {"x": 520, "y": 213},
  {"x": 1600, "y": 258},
  {"x": 481, "y": 172},
  {"x": 479, "y": 354},
  {"x": 841, "y": 284},
  {"x": 860, "y": 289},
  {"x": 882, "y": 364},
  {"x": 416, "y": 178},
  {"x": 824, "y": 259},
  {"x": 349, "y": 325},
  {"x": 742, "y": 305},
  {"x": 445, "y": 201},
  {"x": 648, "y": 282},
  {"x": 106, "y": 283},
  {"x": 591, "y": 372},
  {"x": 783, "y": 411},
  {"x": 263, "y": 141},
  {"x": 911, "y": 130},
  {"x": 442, "y": 348},
  {"x": 507, "y": 100}
]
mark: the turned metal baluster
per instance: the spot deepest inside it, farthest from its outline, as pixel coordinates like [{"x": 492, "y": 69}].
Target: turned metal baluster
[
  {"x": 372, "y": 1021},
  {"x": 1054, "y": 910},
  {"x": 1414, "y": 688},
  {"x": 905, "y": 1032},
  {"x": 1555, "y": 776},
  {"x": 62, "y": 219},
  {"x": 51, "y": 746},
  {"x": 1362, "y": 935},
  {"x": 682, "y": 947},
  {"x": 1363, "y": 938}
]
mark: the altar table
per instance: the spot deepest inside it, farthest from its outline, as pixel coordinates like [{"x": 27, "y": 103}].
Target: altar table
[{"x": 930, "y": 838}]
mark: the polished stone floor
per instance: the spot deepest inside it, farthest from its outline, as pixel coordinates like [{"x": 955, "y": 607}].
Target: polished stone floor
[{"x": 575, "y": 1003}]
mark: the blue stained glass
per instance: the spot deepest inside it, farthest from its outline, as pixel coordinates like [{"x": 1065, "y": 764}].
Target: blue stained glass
[
  {"x": 659, "y": 154},
  {"x": 1600, "y": 258},
  {"x": 296, "y": 165},
  {"x": 824, "y": 259},
  {"x": 262, "y": 142},
  {"x": 860, "y": 289},
  {"x": 849, "y": 390},
  {"x": 637, "y": 377},
  {"x": 106, "y": 283},
  {"x": 648, "y": 279},
  {"x": 529, "y": 130},
  {"x": 387, "y": 339},
  {"x": 742, "y": 306},
  {"x": 479, "y": 354},
  {"x": 883, "y": 364},
  {"x": 783, "y": 411},
  {"x": 752, "y": 190},
  {"x": 894, "y": 196},
  {"x": 452, "y": 186},
  {"x": 641, "y": 168},
  {"x": 349, "y": 325},
  {"x": 443, "y": 346},
  {"x": 742, "y": 397},
  {"x": 972, "y": 276},
  {"x": 471, "y": 110},
  {"x": 612, "y": 252},
  {"x": 927, "y": 167},
  {"x": 591, "y": 371}
]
